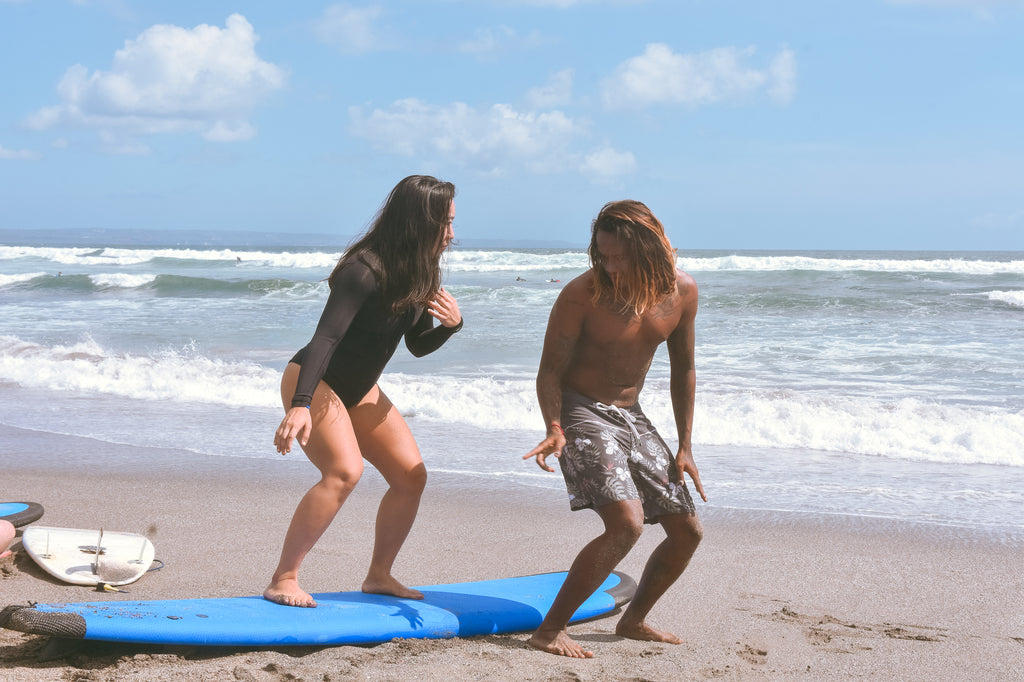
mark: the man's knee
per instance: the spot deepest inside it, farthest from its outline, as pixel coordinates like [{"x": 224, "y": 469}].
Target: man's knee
[
  {"x": 623, "y": 522},
  {"x": 685, "y": 530}
]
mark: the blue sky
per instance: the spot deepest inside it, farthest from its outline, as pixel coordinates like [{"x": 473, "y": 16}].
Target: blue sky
[{"x": 885, "y": 124}]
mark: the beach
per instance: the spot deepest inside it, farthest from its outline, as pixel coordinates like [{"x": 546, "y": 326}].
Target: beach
[
  {"x": 768, "y": 595},
  {"x": 858, "y": 426}
]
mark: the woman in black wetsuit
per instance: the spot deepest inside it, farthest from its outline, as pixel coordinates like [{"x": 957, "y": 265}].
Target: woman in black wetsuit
[{"x": 386, "y": 286}]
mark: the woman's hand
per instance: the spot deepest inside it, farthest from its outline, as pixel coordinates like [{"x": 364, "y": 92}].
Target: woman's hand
[
  {"x": 445, "y": 308},
  {"x": 296, "y": 423}
]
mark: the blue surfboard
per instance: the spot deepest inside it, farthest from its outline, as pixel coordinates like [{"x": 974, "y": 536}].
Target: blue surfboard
[
  {"x": 457, "y": 610},
  {"x": 20, "y": 513}
]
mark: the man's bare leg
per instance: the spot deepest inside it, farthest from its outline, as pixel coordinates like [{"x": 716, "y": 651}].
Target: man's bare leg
[
  {"x": 623, "y": 524},
  {"x": 667, "y": 563}
]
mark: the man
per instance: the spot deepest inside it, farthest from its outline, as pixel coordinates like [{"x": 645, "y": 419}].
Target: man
[{"x": 601, "y": 337}]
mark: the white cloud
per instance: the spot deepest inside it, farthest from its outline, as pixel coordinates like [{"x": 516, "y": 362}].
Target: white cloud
[
  {"x": 490, "y": 138},
  {"x": 225, "y": 132},
  {"x": 18, "y": 154},
  {"x": 607, "y": 164},
  {"x": 491, "y": 41},
  {"x": 115, "y": 143},
  {"x": 660, "y": 75},
  {"x": 353, "y": 30},
  {"x": 782, "y": 77},
  {"x": 556, "y": 93},
  {"x": 170, "y": 79}
]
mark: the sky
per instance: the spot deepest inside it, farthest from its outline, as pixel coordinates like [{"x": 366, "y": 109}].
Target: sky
[{"x": 816, "y": 124}]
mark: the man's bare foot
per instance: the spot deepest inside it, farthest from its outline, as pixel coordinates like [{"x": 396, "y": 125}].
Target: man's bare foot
[
  {"x": 646, "y": 633},
  {"x": 288, "y": 593},
  {"x": 390, "y": 587},
  {"x": 559, "y": 644}
]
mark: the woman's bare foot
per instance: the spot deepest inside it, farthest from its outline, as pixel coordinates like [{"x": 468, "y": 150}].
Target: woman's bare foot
[
  {"x": 559, "y": 644},
  {"x": 288, "y": 593},
  {"x": 390, "y": 587},
  {"x": 646, "y": 633}
]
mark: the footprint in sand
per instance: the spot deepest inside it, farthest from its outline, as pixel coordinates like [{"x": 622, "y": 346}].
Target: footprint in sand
[{"x": 753, "y": 655}]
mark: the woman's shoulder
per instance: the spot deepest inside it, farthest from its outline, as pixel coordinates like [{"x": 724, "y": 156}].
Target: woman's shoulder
[{"x": 358, "y": 270}]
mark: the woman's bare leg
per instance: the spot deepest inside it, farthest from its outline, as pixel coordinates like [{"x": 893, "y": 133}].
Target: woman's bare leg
[
  {"x": 334, "y": 450},
  {"x": 386, "y": 443}
]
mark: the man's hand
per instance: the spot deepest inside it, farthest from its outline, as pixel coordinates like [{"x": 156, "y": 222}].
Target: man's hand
[
  {"x": 552, "y": 445},
  {"x": 686, "y": 465}
]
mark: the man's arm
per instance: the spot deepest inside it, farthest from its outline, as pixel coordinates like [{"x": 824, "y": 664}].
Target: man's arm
[
  {"x": 683, "y": 382},
  {"x": 563, "y": 331}
]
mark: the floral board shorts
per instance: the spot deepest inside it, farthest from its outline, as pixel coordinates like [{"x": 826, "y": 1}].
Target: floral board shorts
[{"x": 612, "y": 454}]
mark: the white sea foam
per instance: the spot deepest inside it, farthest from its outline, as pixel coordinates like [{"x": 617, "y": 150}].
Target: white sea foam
[
  {"x": 514, "y": 261},
  {"x": 910, "y": 429},
  {"x": 906, "y": 429},
  {"x": 119, "y": 256},
  {"x": 54, "y": 253},
  {"x": 121, "y": 280},
  {"x": 531, "y": 260},
  {"x": 763, "y": 263},
  {"x": 7, "y": 280},
  {"x": 176, "y": 375},
  {"x": 1014, "y": 298}
]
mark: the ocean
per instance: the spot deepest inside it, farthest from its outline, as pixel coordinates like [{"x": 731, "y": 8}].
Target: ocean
[{"x": 853, "y": 384}]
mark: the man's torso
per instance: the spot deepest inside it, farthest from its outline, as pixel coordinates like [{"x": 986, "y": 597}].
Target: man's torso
[{"x": 614, "y": 350}]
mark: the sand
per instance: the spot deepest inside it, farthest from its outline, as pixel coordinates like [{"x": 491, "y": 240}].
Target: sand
[{"x": 767, "y": 596}]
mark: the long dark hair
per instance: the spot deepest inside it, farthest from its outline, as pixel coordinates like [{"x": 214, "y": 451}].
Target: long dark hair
[
  {"x": 401, "y": 243},
  {"x": 652, "y": 272}
]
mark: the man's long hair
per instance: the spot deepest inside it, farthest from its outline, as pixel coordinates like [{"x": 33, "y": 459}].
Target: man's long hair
[
  {"x": 651, "y": 275},
  {"x": 401, "y": 243}
]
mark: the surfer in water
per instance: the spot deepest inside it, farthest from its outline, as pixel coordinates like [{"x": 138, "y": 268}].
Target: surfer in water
[
  {"x": 385, "y": 287},
  {"x": 601, "y": 337}
]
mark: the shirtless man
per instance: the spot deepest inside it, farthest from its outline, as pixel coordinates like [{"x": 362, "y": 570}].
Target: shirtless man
[{"x": 601, "y": 337}]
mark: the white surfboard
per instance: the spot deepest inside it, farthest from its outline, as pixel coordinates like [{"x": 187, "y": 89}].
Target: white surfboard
[{"x": 89, "y": 557}]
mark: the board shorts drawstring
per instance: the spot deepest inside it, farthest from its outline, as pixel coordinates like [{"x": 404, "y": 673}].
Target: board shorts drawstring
[{"x": 625, "y": 415}]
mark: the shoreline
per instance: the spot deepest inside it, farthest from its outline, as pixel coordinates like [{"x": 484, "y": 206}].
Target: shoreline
[
  {"x": 47, "y": 452},
  {"x": 768, "y": 595}
]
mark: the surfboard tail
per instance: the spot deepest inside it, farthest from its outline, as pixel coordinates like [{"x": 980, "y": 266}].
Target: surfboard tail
[
  {"x": 624, "y": 591},
  {"x": 27, "y": 619}
]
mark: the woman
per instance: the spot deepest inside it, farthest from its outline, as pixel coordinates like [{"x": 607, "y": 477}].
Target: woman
[{"x": 386, "y": 286}]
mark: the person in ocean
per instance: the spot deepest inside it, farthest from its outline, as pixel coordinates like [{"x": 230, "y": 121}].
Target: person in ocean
[
  {"x": 385, "y": 287},
  {"x": 601, "y": 338}
]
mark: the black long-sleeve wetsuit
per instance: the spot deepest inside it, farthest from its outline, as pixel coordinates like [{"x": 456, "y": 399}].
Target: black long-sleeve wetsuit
[{"x": 357, "y": 335}]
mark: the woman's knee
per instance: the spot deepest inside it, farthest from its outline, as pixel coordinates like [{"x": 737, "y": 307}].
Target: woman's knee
[
  {"x": 412, "y": 481},
  {"x": 342, "y": 480}
]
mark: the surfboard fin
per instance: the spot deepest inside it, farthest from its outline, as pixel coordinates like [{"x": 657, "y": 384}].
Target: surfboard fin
[{"x": 104, "y": 587}]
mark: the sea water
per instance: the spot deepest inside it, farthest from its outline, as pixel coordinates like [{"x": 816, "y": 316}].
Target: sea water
[{"x": 860, "y": 384}]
